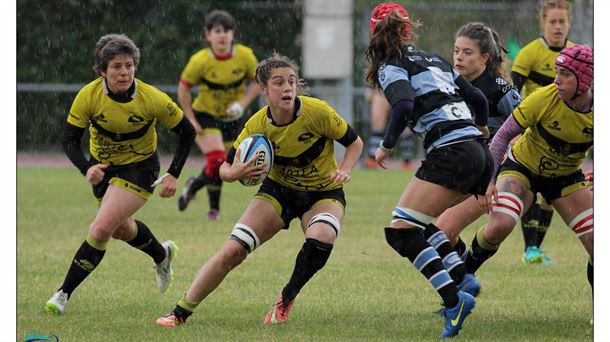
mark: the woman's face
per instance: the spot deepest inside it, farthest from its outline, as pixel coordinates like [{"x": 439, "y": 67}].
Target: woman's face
[
  {"x": 467, "y": 58},
  {"x": 281, "y": 89},
  {"x": 566, "y": 83},
  {"x": 556, "y": 26},
  {"x": 220, "y": 39},
  {"x": 119, "y": 73}
]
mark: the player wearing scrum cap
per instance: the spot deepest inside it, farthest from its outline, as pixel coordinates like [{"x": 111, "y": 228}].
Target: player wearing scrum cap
[{"x": 557, "y": 126}]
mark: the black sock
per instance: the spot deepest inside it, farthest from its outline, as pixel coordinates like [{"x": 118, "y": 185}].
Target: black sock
[
  {"x": 461, "y": 249},
  {"x": 214, "y": 186},
  {"x": 410, "y": 243},
  {"x": 449, "y": 257},
  {"x": 311, "y": 258},
  {"x": 199, "y": 182},
  {"x": 544, "y": 222},
  {"x": 147, "y": 243},
  {"x": 85, "y": 261},
  {"x": 529, "y": 225},
  {"x": 182, "y": 312},
  {"x": 480, "y": 251}
]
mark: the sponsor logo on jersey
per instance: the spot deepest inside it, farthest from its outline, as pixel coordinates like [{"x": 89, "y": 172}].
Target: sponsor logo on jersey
[
  {"x": 587, "y": 130},
  {"x": 135, "y": 119},
  {"x": 100, "y": 118}
]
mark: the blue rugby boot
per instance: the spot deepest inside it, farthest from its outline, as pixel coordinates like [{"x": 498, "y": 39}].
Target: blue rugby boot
[
  {"x": 455, "y": 316},
  {"x": 470, "y": 284}
]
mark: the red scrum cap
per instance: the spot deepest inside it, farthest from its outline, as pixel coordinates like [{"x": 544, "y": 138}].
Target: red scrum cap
[
  {"x": 579, "y": 60},
  {"x": 383, "y": 10}
]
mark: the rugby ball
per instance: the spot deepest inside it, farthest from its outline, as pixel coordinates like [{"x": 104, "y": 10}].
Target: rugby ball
[{"x": 250, "y": 147}]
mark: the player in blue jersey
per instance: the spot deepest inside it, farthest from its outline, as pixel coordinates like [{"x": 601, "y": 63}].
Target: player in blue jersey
[
  {"x": 430, "y": 97},
  {"x": 477, "y": 56}
]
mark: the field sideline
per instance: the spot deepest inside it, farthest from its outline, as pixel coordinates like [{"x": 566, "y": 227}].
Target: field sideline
[{"x": 365, "y": 292}]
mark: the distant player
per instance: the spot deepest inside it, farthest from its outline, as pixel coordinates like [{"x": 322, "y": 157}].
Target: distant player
[
  {"x": 430, "y": 97},
  {"x": 305, "y": 182},
  {"x": 121, "y": 112},
  {"x": 556, "y": 123},
  {"x": 534, "y": 67},
  {"x": 478, "y": 57},
  {"x": 223, "y": 72}
]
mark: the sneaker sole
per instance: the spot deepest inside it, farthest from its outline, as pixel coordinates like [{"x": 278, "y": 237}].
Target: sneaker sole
[{"x": 52, "y": 308}]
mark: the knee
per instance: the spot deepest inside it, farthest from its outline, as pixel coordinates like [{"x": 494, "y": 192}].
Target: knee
[
  {"x": 498, "y": 228},
  {"x": 125, "y": 230},
  {"x": 102, "y": 230},
  {"x": 324, "y": 227},
  {"x": 231, "y": 256},
  {"x": 403, "y": 240}
]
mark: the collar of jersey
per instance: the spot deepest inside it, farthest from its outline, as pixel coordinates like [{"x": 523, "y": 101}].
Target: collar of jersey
[
  {"x": 556, "y": 49},
  {"x": 297, "y": 110},
  {"x": 122, "y": 98}
]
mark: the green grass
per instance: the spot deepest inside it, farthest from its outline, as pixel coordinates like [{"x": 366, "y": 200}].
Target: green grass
[{"x": 365, "y": 292}]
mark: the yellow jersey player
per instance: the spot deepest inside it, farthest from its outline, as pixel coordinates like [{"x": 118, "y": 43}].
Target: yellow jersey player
[
  {"x": 534, "y": 67},
  {"x": 121, "y": 113},
  {"x": 305, "y": 182},
  {"x": 556, "y": 123},
  {"x": 224, "y": 72}
]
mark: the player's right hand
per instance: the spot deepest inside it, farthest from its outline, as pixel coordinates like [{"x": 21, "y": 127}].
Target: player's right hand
[{"x": 96, "y": 173}]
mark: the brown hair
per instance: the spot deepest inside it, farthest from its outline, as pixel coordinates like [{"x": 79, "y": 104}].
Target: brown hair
[
  {"x": 388, "y": 40},
  {"x": 488, "y": 42},
  {"x": 264, "y": 68}
]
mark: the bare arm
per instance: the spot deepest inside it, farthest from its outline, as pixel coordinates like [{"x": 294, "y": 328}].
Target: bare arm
[
  {"x": 350, "y": 158},
  {"x": 184, "y": 98}
]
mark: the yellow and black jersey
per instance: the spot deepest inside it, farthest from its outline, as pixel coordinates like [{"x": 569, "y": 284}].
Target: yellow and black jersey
[
  {"x": 536, "y": 61},
  {"x": 221, "y": 81},
  {"x": 556, "y": 137},
  {"x": 303, "y": 149},
  {"x": 122, "y": 129}
]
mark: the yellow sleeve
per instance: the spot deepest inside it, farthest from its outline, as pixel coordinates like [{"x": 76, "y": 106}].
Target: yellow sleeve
[
  {"x": 524, "y": 61},
  {"x": 530, "y": 109},
  {"x": 167, "y": 111},
  {"x": 252, "y": 63},
  {"x": 331, "y": 123},
  {"x": 193, "y": 68},
  {"x": 80, "y": 113}
]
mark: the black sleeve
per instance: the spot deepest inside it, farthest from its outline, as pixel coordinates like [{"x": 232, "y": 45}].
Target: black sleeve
[
  {"x": 518, "y": 80},
  {"x": 71, "y": 145},
  {"x": 399, "y": 118},
  {"x": 186, "y": 136},
  {"x": 349, "y": 137},
  {"x": 476, "y": 99},
  {"x": 231, "y": 155}
]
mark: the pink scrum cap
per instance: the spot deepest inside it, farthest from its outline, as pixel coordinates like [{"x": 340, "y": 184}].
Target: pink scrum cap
[
  {"x": 383, "y": 10},
  {"x": 579, "y": 60}
]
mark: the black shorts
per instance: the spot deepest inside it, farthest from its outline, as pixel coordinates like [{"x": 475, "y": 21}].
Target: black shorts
[
  {"x": 230, "y": 129},
  {"x": 550, "y": 188},
  {"x": 290, "y": 203},
  {"x": 466, "y": 167},
  {"x": 136, "y": 177}
]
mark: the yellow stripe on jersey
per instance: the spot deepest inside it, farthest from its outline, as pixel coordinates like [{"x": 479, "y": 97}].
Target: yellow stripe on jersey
[
  {"x": 537, "y": 62},
  {"x": 118, "y": 130},
  {"x": 316, "y": 125},
  {"x": 556, "y": 138},
  {"x": 221, "y": 82}
]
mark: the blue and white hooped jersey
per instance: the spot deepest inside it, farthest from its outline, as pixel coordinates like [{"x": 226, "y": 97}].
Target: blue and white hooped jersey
[{"x": 440, "y": 114}]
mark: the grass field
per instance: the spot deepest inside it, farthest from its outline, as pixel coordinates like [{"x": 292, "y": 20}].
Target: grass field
[{"x": 366, "y": 292}]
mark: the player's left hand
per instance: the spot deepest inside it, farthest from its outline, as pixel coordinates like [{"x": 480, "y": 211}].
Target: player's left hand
[
  {"x": 380, "y": 156},
  {"x": 340, "y": 176},
  {"x": 168, "y": 186}
]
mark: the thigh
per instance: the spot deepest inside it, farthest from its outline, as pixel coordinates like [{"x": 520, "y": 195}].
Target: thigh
[
  {"x": 262, "y": 217},
  {"x": 455, "y": 219},
  {"x": 427, "y": 198},
  {"x": 116, "y": 207},
  {"x": 576, "y": 211}
]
